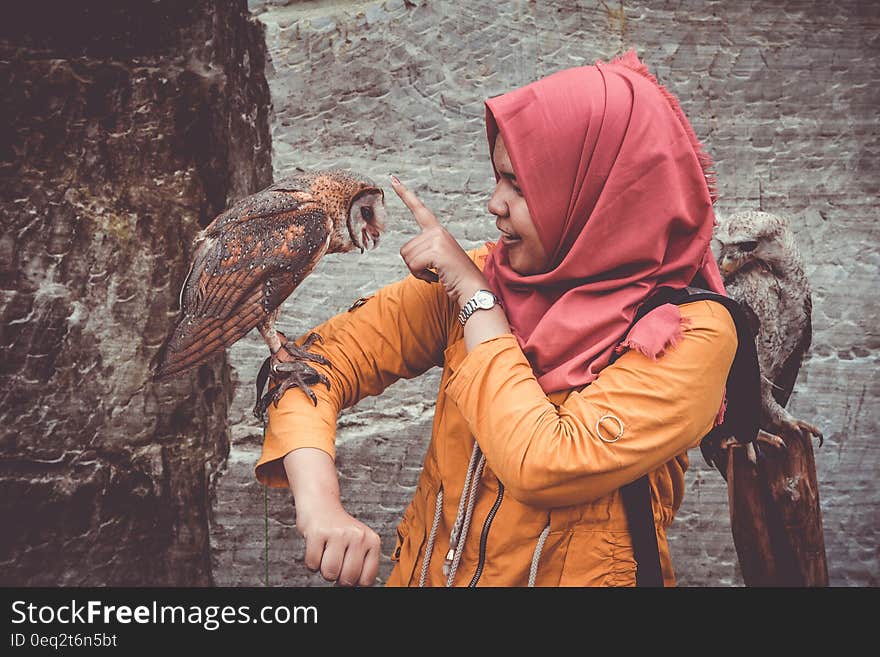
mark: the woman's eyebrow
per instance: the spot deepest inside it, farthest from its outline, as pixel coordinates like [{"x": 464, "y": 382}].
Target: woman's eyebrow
[{"x": 509, "y": 175}]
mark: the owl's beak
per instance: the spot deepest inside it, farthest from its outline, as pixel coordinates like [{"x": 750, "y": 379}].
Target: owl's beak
[
  {"x": 372, "y": 228},
  {"x": 727, "y": 265}
]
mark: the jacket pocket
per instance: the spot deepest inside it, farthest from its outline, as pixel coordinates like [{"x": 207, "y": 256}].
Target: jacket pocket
[
  {"x": 408, "y": 546},
  {"x": 599, "y": 558}
]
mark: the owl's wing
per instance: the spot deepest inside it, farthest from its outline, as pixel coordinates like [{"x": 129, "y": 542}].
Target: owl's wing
[
  {"x": 752, "y": 319},
  {"x": 239, "y": 276},
  {"x": 266, "y": 203},
  {"x": 784, "y": 383}
]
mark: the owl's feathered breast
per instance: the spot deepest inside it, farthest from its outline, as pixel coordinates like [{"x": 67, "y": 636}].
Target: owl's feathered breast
[{"x": 783, "y": 308}]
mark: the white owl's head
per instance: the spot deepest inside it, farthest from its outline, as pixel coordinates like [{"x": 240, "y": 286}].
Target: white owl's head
[{"x": 747, "y": 238}]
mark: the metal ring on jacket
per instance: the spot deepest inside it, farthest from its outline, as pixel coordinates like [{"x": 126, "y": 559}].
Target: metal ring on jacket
[{"x": 599, "y": 432}]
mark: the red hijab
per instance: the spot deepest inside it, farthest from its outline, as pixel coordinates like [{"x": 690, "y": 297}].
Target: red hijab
[{"x": 621, "y": 195}]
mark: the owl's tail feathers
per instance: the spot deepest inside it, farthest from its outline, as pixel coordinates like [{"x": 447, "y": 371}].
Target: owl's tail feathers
[
  {"x": 167, "y": 363},
  {"x": 191, "y": 345},
  {"x": 171, "y": 360}
]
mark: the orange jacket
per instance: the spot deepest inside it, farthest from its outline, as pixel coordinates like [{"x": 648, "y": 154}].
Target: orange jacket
[{"x": 560, "y": 502}]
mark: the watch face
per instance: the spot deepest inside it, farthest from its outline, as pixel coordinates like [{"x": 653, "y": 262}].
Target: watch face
[{"x": 484, "y": 299}]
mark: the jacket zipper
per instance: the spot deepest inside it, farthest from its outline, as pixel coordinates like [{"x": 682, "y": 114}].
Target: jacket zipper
[{"x": 484, "y": 536}]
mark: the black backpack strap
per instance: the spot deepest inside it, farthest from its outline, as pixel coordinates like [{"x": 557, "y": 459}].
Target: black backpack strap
[
  {"x": 741, "y": 421},
  {"x": 743, "y": 415},
  {"x": 643, "y": 532}
]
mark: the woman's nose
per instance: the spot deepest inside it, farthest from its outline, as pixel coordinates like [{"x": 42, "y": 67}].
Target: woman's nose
[{"x": 497, "y": 205}]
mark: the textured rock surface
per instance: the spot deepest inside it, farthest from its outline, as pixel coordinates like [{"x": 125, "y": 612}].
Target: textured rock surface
[
  {"x": 784, "y": 98},
  {"x": 125, "y": 128}
]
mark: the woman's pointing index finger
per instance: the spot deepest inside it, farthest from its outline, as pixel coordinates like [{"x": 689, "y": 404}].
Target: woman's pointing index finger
[{"x": 423, "y": 216}]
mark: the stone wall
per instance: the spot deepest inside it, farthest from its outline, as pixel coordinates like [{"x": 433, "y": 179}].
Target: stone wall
[
  {"x": 125, "y": 127},
  {"x": 784, "y": 96}
]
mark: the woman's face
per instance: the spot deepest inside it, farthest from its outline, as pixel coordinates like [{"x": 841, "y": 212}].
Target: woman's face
[{"x": 526, "y": 254}]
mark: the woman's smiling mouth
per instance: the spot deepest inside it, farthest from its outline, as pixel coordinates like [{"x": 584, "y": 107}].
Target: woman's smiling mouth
[{"x": 509, "y": 238}]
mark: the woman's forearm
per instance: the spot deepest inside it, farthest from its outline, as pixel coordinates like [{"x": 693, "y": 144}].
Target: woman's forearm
[
  {"x": 483, "y": 324},
  {"x": 342, "y": 548},
  {"x": 311, "y": 474}
]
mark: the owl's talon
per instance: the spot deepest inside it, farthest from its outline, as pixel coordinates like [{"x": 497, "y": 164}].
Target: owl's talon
[
  {"x": 311, "y": 395},
  {"x": 804, "y": 430},
  {"x": 292, "y": 374},
  {"x": 311, "y": 339},
  {"x": 751, "y": 454},
  {"x": 302, "y": 352},
  {"x": 262, "y": 406},
  {"x": 771, "y": 439},
  {"x": 809, "y": 430},
  {"x": 284, "y": 367},
  {"x": 299, "y": 374}
]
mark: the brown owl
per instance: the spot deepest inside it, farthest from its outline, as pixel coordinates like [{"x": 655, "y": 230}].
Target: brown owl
[
  {"x": 776, "y": 518},
  {"x": 763, "y": 271},
  {"x": 254, "y": 255}
]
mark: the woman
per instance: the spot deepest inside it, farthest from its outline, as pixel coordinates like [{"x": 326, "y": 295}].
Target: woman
[{"x": 603, "y": 196}]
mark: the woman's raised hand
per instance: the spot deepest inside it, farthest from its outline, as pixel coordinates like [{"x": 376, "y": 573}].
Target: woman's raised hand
[{"x": 434, "y": 254}]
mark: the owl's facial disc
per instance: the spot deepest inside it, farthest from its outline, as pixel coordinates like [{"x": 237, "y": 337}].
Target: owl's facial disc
[
  {"x": 737, "y": 255},
  {"x": 368, "y": 213}
]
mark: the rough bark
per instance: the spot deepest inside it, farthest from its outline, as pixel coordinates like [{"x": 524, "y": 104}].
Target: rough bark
[{"x": 125, "y": 128}]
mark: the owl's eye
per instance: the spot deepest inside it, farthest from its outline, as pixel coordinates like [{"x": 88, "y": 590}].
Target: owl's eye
[
  {"x": 367, "y": 213},
  {"x": 748, "y": 246}
]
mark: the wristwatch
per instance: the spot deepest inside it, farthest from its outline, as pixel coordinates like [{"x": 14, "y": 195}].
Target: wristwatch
[{"x": 482, "y": 300}]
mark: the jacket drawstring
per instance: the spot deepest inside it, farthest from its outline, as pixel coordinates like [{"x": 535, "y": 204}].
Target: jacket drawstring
[
  {"x": 429, "y": 548},
  {"x": 462, "y": 520},
  {"x": 536, "y": 557},
  {"x": 460, "y": 527},
  {"x": 456, "y": 540},
  {"x": 465, "y": 493},
  {"x": 463, "y": 514}
]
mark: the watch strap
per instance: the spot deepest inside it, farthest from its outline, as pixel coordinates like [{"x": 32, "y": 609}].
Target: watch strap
[{"x": 471, "y": 306}]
